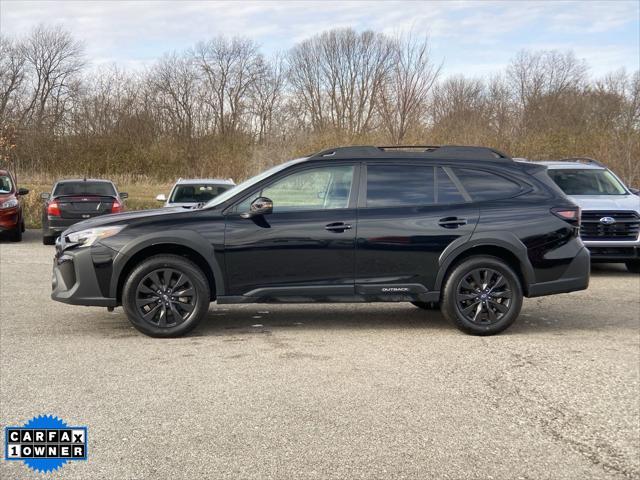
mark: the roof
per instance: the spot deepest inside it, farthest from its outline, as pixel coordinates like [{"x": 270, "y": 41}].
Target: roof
[
  {"x": 440, "y": 152},
  {"x": 191, "y": 181},
  {"x": 559, "y": 164},
  {"x": 67, "y": 180}
]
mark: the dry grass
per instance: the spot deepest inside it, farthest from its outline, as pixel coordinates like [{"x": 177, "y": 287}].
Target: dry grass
[{"x": 142, "y": 192}]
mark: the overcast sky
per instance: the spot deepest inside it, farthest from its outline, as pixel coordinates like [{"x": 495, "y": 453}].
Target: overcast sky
[{"x": 471, "y": 37}]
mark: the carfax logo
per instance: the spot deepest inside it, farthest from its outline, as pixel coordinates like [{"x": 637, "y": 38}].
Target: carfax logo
[{"x": 45, "y": 443}]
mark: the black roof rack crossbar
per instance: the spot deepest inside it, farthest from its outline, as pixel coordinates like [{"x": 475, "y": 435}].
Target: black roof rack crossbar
[
  {"x": 583, "y": 160},
  {"x": 459, "y": 152}
]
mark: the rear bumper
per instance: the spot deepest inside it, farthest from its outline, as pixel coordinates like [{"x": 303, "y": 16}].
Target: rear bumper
[
  {"x": 57, "y": 225},
  {"x": 576, "y": 277},
  {"x": 77, "y": 279}
]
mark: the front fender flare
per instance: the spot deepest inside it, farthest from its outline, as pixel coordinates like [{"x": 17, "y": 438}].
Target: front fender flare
[{"x": 183, "y": 238}]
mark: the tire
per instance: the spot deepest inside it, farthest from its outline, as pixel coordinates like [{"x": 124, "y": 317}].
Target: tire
[
  {"x": 181, "y": 313},
  {"x": 461, "y": 298},
  {"x": 48, "y": 239},
  {"x": 15, "y": 235},
  {"x": 427, "y": 305},
  {"x": 633, "y": 266}
]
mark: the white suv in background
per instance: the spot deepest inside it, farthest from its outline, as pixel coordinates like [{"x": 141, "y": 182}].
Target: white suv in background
[
  {"x": 610, "y": 225},
  {"x": 189, "y": 193}
]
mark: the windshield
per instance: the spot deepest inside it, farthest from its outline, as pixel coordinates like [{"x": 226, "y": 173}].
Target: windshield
[
  {"x": 232, "y": 192},
  {"x": 5, "y": 184},
  {"x": 84, "y": 188},
  {"x": 587, "y": 182},
  {"x": 197, "y": 192}
]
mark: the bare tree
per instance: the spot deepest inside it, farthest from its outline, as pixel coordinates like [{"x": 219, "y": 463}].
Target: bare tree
[
  {"x": 229, "y": 68},
  {"x": 12, "y": 74},
  {"x": 54, "y": 59},
  {"x": 174, "y": 83},
  {"x": 412, "y": 75},
  {"x": 547, "y": 72},
  {"x": 339, "y": 77},
  {"x": 267, "y": 95}
]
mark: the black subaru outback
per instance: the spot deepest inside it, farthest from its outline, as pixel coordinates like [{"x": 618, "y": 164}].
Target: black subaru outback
[{"x": 465, "y": 229}]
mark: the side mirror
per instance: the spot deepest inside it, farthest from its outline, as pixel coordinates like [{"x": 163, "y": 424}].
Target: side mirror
[
  {"x": 45, "y": 195},
  {"x": 124, "y": 195},
  {"x": 23, "y": 191},
  {"x": 161, "y": 198},
  {"x": 260, "y": 206}
]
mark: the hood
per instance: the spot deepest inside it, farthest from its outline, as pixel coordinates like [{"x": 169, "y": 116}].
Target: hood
[
  {"x": 607, "y": 202},
  {"x": 124, "y": 217}
]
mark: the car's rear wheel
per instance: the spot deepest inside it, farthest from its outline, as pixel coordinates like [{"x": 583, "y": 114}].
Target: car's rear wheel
[
  {"x": 427, "y": 305},
  {"x": 166, "y": 296},
  {"x": 482, "y": 296},
  {"x": 633, "y": 266}
]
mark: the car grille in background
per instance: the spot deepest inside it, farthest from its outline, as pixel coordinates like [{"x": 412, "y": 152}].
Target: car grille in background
[{"x": 625, "y": 227}]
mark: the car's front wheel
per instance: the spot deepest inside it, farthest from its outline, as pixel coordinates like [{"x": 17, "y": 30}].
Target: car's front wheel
[
  {"x": 482, "y": 296},
  {"x": 166, "y": 296},
  {"x": 633, "y": 266}
]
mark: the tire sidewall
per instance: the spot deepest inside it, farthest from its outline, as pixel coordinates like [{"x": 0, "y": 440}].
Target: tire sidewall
[
  {"x": 450, "y": 307},
  {"x": 178, "y": 263}
]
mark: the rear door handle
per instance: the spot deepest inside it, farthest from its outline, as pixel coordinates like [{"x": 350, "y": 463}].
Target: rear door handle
[
  {"x": 452, "y": 222},
  {"x": 337, "y": 227}
]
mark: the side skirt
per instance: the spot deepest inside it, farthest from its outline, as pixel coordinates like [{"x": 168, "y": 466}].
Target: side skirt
[{"x": 336, "y": 294}]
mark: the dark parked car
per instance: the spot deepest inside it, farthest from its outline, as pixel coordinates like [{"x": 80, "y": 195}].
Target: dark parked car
[
  {"x": 72, "y": 201},
  {"x": 465, "y": 228},
  {"x": 11, "y": 215}
]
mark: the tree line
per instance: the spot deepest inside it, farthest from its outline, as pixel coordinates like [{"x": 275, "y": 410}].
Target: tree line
[{"x": 223, "y": 108}]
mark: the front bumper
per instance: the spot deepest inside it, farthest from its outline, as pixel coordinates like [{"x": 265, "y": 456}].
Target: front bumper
[
  {"x": 575, "y": 277},
  {"x": 81, "y": 275},
  {"x": 9, "y": 218},
  {"x": 612, "y": 252}
]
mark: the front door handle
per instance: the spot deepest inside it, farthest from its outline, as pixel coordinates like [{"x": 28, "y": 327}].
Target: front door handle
[
  {"x": 337, "y": 227},
  {"x": 452, "y": 222}
]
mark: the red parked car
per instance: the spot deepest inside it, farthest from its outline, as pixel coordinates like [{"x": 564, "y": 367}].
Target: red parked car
[{"x": 11, "y": 218}]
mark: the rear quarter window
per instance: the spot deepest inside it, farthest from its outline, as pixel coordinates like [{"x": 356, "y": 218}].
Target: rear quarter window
[{"x": 482, "y": 185}]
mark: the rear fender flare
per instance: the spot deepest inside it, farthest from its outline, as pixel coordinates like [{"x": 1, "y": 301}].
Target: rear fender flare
[{"x": 504, "y": 240}]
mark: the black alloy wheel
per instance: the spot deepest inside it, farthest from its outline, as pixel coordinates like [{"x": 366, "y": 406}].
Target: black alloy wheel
[
  {"x": 483, "y": 296},
  {"x": 165, "y": 297}
]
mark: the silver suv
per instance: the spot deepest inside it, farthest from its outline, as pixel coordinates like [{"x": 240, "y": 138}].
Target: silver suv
[
  {"x": 189, "y": 193},
  {"x": 610, "y": 225}
]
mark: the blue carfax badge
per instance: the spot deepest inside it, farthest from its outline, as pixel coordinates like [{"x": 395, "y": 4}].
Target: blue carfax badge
[{"x": 45, "y": 443}]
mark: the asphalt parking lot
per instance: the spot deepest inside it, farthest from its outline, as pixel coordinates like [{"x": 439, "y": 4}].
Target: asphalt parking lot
[{"x": 328, "y": 391}]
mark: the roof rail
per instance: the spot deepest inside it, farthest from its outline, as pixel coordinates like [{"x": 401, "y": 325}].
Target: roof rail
[
  {"x": 459, "y": 152},
  {"x": 586, "y": 160}
]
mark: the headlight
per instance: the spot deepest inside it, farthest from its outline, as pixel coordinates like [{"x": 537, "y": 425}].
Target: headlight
[
  {"x": 91, "y": 235},
  {"x": 10, "y": 203}
]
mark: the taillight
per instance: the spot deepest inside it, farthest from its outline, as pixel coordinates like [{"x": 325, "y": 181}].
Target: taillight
[
  {"x": 116, "y": 207},
  {"x": 569, "y": 214},
  {"x": 53, "y": 209}
]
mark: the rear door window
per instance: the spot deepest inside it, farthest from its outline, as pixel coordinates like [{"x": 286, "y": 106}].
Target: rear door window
[
  {"x": 399, "y": 185},
  {"x": 482, "y": 185},
  {"x": 447, "y": 192}
]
